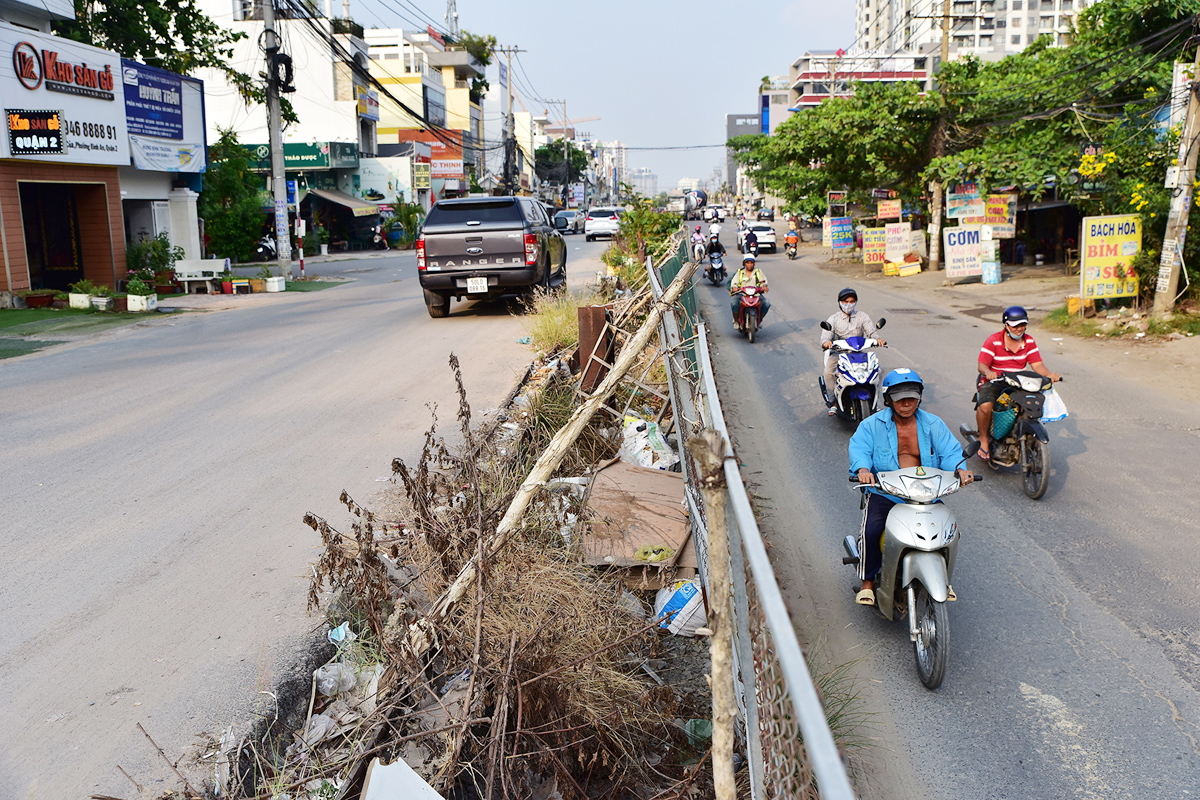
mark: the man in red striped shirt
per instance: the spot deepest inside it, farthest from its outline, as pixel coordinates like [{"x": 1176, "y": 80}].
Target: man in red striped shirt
[{"x": 1010, "y": 350}]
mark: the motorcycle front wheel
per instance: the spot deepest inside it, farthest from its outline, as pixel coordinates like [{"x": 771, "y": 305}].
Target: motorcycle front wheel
[
  {"x": 751, "y": 326},
  {"x": 932, "y": 646},
  {"x": 1036, "y": 467},
  {"x": 862, "y": 410}
]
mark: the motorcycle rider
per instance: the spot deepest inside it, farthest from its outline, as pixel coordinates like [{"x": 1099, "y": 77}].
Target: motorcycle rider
[
  {"x": 1008, "y": 350},
  {"x": 750, "y": 242},
  {"x": 697, "y": 239},
  {"x": 715, "y": 246},
  {"x": 715, "y": 228},
  {"x": 792, "y": 238},
  {"x": 900, "y": 435},
  {"x": 749, "y": 275},
  {"x": 848, "y": 321}
]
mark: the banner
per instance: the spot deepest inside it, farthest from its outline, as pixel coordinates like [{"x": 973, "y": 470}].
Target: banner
[
  {"x": 826, "y": 233},
  {"x": 1106, "y": 255},
  {"x": 887, "y": 209},
  {"x": 1000, "y": 211},
  {"x": 841, "y": 232},
  {"x": 153, "y": 100},
  {"x": 874, "y": 245},
  {"x": 963, "y": 200},
  {"x": 164, "y": 156},
  {"x": 899, "y": 240},
  {"x": 962, "y": 254}
]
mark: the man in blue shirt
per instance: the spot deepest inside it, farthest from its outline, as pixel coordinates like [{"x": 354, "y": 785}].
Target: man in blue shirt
[{"x": 899, "y": 436}]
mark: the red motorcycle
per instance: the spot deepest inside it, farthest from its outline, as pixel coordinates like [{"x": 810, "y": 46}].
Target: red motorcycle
[{"x": 749, "y": 314}]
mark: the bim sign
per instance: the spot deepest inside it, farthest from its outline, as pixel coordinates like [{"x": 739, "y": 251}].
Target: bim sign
[{"x": 35, "y": 133}]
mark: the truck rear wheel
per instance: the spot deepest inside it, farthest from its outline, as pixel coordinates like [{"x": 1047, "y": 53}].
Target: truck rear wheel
[{"x": 438, "y": 304}]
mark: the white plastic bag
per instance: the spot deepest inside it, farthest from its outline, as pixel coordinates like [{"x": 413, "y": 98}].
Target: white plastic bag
[
  {"x": 645, "y": 446},
  {"x": 1054, "y": 408},
  {"x": 333, "y": 679},
  {"x": 680, "y": 606}
]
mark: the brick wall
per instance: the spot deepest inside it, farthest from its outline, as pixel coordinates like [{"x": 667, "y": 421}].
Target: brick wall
[{"x": 102, "y": 226}]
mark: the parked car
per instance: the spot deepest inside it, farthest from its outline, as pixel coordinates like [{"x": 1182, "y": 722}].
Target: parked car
[
  {"x": 766, "y": 237},
  {"x": 766, "y": 214},
  {"x": 601, "y": 221},
  {"x": 486, "y": 247},
  {"x": 569, "y": 221}
]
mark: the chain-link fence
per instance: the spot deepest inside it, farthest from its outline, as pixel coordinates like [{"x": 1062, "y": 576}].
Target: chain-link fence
[{"x": 789, "y": 746}]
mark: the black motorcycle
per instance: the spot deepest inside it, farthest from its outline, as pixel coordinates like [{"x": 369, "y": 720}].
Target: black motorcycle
[
  {"x": 265, "y": 250},
  {"x": 1018, "y": 436}
]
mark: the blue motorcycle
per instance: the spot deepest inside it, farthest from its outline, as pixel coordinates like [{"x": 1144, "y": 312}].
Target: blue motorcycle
[{"x": 716, "y": 269}]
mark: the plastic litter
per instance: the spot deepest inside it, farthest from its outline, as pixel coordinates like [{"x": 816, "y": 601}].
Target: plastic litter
[
  {"x": 698, "y": 731},
  {"x": 524, "y": 340},
  {"x": 394, "y": 781},
  {"x": 644, "y": 445},
  {"x": 333, "y": 679},
  {"x": 319, "y": 728},
  {"x": 680, "y": 606},
  {"x": 342, "y": 635}
]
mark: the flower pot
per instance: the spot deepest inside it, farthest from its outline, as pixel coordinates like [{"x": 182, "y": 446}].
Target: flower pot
[
  {"x": 120, "y": 304},
  {"x": 324, "y": 249},
  {"x": 276, "y": 284},
  {"x": 164, "y": 288},
  {"x": 226, "y": 287},
  {"x": 258, "y": 285},
  {"x": 143, "y": 302},
  {"x": 101, "y": 303},
  {"x": 77, "y": 300},
  {"x": 39, "y": 300}
]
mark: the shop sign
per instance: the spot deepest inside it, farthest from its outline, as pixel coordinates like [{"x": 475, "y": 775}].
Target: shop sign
[
  {"x": 1000, "y": 212},
  {"x": 34, "y": 133},
  {"x": 153, "y": 100},
  {"x": 836, "y": 198},
  {"x": 421, "y": 176},
  {"x": 961, "y": 244},
  {"x": 448, "y": 168},
  {"x": 299, "y": 156},
  {"x": 888, "y": 209},
  {"x": 368, "y": 103},
  {"x": 841, "y": 233},
  {"x": 963, "y": 200},
  {"x": 380, "y": 180},
  {"x": 1106, "y": 256},
  {"x": 77, "y": 82},
  {"x": 158, "y": 155},
  {"x": 899, "y": 241},
  {"x": 874, "y": 245}
]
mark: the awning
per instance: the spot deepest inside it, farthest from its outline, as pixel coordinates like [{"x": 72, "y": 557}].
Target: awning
[{"x": 361, "y": 208}]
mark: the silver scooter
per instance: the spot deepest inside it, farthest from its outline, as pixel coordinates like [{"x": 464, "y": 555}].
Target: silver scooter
[{"x": 920, "y": 543}]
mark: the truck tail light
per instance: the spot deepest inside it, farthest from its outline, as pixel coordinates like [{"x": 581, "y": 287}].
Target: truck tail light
[
  {"x": 531, "y": 253},
  {"x": 421, "y": 253}
]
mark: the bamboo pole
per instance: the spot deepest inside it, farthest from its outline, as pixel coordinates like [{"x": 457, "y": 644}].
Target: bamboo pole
[
  {"x": 421, "y": 632},
  {"x": 708, "y": 448}
]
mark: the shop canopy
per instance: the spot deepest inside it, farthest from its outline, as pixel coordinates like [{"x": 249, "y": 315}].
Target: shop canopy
[{"x": 361, "y": 208}]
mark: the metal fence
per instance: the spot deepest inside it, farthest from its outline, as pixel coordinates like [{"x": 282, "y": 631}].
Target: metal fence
[{"x": 790, "y": 749}]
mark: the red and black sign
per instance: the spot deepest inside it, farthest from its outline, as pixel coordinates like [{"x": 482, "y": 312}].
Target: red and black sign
[
  {"x": 34, "y": 68},
  {"x": 35, "y": 133}
]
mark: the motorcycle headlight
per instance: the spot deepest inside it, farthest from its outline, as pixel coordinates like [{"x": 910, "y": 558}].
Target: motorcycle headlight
[{"x": 922, "y": 490}]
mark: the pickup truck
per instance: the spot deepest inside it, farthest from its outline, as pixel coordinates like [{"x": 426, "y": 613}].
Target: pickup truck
[{"x": 488, "y": 247}]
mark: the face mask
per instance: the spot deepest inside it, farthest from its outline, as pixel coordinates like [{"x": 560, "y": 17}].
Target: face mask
[
  {"x": 848, "y": 308},
  {"x": 1015, "y": 335}
]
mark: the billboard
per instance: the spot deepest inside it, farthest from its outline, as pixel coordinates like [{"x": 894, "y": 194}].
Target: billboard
[
  {"x": 963, "y": 200},
  {"x": 962, "y": 251},
  {"x": 153, "y": 100},
  {"x": 446, "y": 156},
  {"x": 1106, "y": 256},
  {"x": 874, "y": 245},
  {"x": 1000, "y": 211}
]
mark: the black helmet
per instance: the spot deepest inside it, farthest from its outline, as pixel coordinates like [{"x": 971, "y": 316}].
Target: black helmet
[
  {"x": 847, "y": 292},
  {"x": 1015, "y": 315}
]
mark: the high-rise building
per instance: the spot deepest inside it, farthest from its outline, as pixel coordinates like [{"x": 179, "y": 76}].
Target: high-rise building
[
  {"x": 820, "y": 74},
  {"x": 644, "y": 181},
  {"x": 987, "y": 28}
]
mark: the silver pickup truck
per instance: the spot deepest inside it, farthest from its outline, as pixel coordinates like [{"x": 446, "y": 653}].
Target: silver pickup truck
[{"x": 485, "y": 247}]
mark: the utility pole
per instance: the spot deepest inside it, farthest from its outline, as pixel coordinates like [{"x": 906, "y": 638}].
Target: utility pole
[
  {"x": 566, "y": 156},
  {"x": 510, "y": 134},
  {"x": 1171, "y": 263},
  {"x": 283, "y": 240}
]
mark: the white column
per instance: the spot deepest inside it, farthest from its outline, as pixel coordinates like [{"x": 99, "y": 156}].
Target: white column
[{"x": 185, "y": 228}]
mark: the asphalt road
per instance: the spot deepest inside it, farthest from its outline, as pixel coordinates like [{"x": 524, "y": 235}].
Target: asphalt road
[
  {"x": 153, "y": 483},
  {"x": 1075, "y": 656}
]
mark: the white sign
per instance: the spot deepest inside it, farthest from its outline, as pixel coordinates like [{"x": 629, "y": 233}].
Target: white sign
[
  {"x": 39, "y": 71},
  {"x": 899, "y": 241},
  {"x": 962, "y": 251},
  {"x": 163, "y": 155}
]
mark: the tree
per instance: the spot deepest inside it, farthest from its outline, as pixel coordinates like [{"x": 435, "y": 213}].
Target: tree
[
  {"x": 174, "y": 35},
  {"x": 231, "y": 203},
  {"x": 481, "y": 48},
  {"x": 548, "y": 162}
]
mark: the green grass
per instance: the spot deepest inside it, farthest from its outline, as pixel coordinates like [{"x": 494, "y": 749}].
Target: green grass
[
  {"x": 553, "y": 319},
  {"x": 311, "y": 286},
  {"x": 11, "y": 317},
  {"x": 11, "y": 348},
  {"x": 1179, "y": 323}
]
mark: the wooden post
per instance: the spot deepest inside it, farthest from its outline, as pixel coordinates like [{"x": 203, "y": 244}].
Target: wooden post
[
  {"x": 421, "y": 632},
  {"x": 708, "y": 448}
]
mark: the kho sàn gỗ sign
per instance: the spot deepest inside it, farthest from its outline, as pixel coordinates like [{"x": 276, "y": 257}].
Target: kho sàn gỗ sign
[{"x": 34, "y": 133}]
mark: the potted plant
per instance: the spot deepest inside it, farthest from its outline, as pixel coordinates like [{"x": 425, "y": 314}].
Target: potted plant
[
  {"x": 81, "y": 294},
  {"x": 323, "y": 239},
  {"x": 37, "y": 298},
  {"x": 61, "y": 300},
  {"x": 120, "y": 302},
  {"x": 227, "y": 282},
  {"x": 272, "y": 283},
  {"x": 102, "y": 298},
  {"x": 164, "y": 282},
  {"x": 259, "y": 282},
  {"x": 141, "y": 296},
  {"x": 153, "y": 260}
]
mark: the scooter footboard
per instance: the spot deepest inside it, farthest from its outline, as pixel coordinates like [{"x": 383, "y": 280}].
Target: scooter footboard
[{"x": 928, "y": 568}]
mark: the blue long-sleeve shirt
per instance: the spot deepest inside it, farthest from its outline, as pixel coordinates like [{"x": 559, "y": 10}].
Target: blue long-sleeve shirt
[{"x": 874, "y": 445}]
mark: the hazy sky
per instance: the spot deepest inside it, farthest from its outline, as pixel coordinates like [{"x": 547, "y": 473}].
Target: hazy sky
[{"x": 657, "y": 73}]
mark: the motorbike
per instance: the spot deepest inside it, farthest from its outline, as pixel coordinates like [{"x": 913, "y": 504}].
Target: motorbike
[
  {"x": 920, "y": 543},
  {"x": 716, "y": 269},
  {"x": 856, "y": 395},
  {"x": 378, "y": 239},
  {"x": 790, "y": 249},
  {"x": 1018, "y": 436},
  {"x": 265, "y": 249},
  {"x": 749, "y": 315},
  {"x": 698, "y": 249}
]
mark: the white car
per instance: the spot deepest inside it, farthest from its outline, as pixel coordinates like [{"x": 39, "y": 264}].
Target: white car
[
  {"x": 601, "y": 221},
  {"x": 766, "y": 237}
]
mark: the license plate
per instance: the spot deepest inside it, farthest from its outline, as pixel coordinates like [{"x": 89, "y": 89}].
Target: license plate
[{"x": 475, "y": 285}]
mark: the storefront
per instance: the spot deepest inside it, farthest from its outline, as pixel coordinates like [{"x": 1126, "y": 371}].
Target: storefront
[
  {"x": 165, "y": 116},
  {"x": 65, "y": 139}
]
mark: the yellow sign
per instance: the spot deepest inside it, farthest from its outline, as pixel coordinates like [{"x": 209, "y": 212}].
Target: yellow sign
[
  {"x": 888, "y": 209},
  {"x": 421, "y": 172},
  {"x": 874, "y": 245},
  {"x": 1106, "y": 257},
  {"x": 1001, "y": 213}
]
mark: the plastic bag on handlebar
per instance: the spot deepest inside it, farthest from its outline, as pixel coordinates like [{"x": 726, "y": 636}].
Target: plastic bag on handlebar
[{"x": 1054, "y": 408}]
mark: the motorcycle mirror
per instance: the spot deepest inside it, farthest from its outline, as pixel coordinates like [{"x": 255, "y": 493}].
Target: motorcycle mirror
[
  {"x": 971, "y": 449},
  {"x": 881, "y": 323},
  {"x": 825, "y": 326}
]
